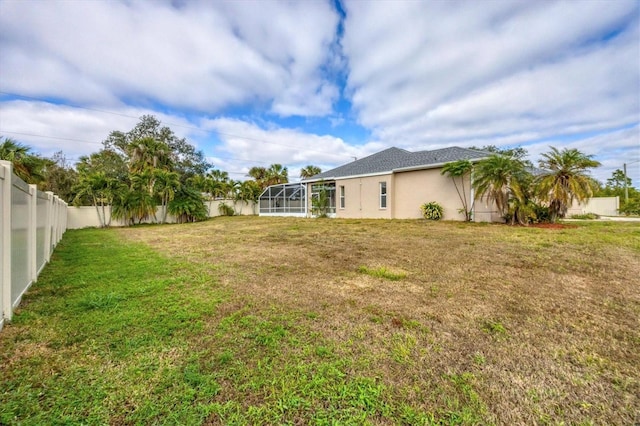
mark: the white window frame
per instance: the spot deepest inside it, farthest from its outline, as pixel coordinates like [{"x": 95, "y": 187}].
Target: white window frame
[
  {"x": 383, "y": 195},
  {"x": 342, "y": 197}
]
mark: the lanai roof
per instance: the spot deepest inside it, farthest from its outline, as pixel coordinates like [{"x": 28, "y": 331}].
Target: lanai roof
[{"x": 396, "y": 159}]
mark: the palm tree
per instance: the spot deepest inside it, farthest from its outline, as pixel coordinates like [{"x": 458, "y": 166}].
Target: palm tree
[
  {"x": 249, "y": 191},
  {"x": 26, "y": 165},
  {"x": 143, "y": 188},
  {"x": 149, "y": 153},
  {"x": 564, "y": 179},
  {"x": 101, "y": 190},
  {"x": 188, "y": 206},
  {"x": 500, "y": 178},
  {"x": 277, "y": 174},
  {"x": 458, "y": 170},
  {"x": 259, "y": 175},
  {"x": 307, "y": 172},
  {"x": 166, "y": 185}
]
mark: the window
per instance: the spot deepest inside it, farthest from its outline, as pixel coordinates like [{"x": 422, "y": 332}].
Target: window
[
  {"x": 342, "y": 196},
  {"x": 383, "y": 195}
]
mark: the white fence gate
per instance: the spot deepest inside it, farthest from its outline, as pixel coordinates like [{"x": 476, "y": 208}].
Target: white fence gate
[{"x": 31, "y": 224}]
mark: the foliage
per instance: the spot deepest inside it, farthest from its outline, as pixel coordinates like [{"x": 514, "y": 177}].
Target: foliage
[
  {"x": 166, "y": 185},
  {"x": 615, "y": 187},
  {"x": 188, "y": 206},
  {"x": 585, "y": 216},
  {"x": 320, "y": 204},
  {"x": 631, "y": 208},
  {"x": 432, "y": 211},
  {"x": 185, "y": 159},
  {"x": 101, "y": 190},
  {"x": 225, "y": 210},
  {"x": 519, "y": 153},
  {"x": 265, "y": 177},
  {"x": 26, "y": 165},
  {"x": 309, "y": 171},
  {"x": 564, "y": 179},
  {"x": 60, "y": 178},
  {"x": 457, "y": 171},
  {"x": 505, "y": 181}
]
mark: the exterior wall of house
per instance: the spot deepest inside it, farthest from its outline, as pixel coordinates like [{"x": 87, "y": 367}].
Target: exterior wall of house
[
  {"x": 406, "y": 192},
  {"x": 414, "y": 188},
  {"x": 362, "y": 197}
]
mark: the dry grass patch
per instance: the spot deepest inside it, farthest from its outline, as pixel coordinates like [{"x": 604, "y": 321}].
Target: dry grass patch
[
  {"x": 247, "y": 320},
  {"x": 520, "y": 324}
]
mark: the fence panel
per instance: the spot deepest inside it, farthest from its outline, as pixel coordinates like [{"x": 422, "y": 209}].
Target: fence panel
[
  {"x": 20, "y": 268},
  {"x": 31, "y": 224},
  {"x": 41, "y": 227}
]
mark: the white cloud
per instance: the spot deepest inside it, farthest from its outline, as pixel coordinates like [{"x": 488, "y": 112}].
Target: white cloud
[
  {"x": 48, "y": 128},
  {"x": 447, "y": 72},
  {"x": 246, "y": 144},
  {"x": 202, "y": 56}
]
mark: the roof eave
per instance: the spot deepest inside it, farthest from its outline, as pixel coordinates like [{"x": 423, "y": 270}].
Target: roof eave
[{"x": 432, "y": 166}]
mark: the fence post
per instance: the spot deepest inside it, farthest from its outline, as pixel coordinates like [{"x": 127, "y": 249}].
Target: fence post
[
  {"x": 32, "y": 230},
  {"x": 48, "y": 227},
  {"x": 7, "y": 308}
]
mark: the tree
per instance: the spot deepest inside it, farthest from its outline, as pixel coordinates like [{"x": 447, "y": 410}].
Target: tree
[
  {"x": 167, "y": 183},
  {"x": 518, "y": 152},
  {"x": 615, "y": 188},
  {"x": 188, "y": 206},
  {"x": 618, "y": 180},
  {"x": 187, "y": 161},
  {"x": 564, "y": 179},
  {"x": 106, "y": 161},
  {"x": 277, "y": 174},
  {"x": 259, "y": 174},
  {"x": 308, "y": 171},
  {"x": 501, "y": 179},
  {"x": 249, "y": 191},
  {"x": 457, "y": 171},
  {"x": 100, "y": 189},
  {"x": 60, "y": 178},
  {"x": 149, "y": 153},
  {"x": 26, "y": 165}
]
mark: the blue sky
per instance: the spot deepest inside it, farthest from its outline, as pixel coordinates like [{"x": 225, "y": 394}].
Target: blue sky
[{"x": 323, "y": 82}]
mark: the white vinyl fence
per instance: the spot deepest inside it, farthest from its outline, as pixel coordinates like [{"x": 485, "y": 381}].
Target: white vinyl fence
[
  {"x": 603, "y": 206},
  {"x": 87, "y": 217},
  {"x": 31, "y": 224}
]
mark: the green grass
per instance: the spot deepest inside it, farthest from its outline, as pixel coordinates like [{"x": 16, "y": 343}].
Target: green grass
[
  {"x": 270, "y": 321},
  {"x": 382, "y": 272}
]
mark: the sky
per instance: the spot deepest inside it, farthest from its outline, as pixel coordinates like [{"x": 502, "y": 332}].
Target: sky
[{"x": 251, "y": 83}]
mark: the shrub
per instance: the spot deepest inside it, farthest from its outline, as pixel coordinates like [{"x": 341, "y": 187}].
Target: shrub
[
  {"x": 432, "y": 211},
  {"x": 631, "y": 208},
  {"x": 188, "y": 206},
  {"x": 585, "y": 216},
  {"x": 225, "y": 210}
]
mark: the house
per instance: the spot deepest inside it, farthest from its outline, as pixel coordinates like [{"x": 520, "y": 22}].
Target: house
[{"x": 391, "y": 184}]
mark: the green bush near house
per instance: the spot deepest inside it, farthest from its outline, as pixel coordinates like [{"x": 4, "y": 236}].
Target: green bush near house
[{"x": 432, "y": 211}]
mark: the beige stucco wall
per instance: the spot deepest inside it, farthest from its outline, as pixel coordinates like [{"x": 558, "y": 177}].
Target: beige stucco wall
[
  {"x": 414, "y": 188},
  {"x": 362, "y": 197},
  {"x": 406, "y": 192}
]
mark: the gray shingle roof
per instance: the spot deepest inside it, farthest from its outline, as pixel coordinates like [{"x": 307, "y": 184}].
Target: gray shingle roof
[{"x": 395, "y": 158}]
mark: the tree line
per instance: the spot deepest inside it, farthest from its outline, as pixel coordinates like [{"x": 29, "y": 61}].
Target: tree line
[
  {"x": 150, "y": 166},
  {"x": 138, "y": 170}
]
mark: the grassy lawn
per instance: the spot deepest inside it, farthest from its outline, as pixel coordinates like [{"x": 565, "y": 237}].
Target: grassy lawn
[{"x": 248, "y": 320}]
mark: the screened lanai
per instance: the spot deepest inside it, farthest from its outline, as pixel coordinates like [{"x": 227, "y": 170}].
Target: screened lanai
[{"x": 288, "y": 199}]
